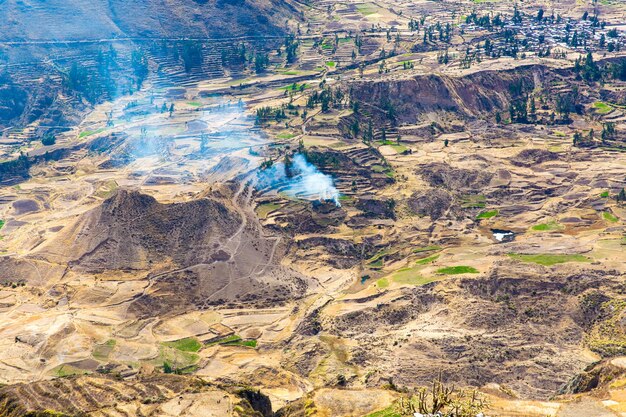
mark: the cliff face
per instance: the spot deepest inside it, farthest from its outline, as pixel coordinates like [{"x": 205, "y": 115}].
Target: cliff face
[{"x": 469, "y": 96}]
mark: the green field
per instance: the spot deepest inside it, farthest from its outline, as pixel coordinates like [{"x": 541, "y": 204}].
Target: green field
[
  {"x": 428, "y": 260},
  {"x": 265, "y": 209},
  {"x": 550, "y": 259},
  {"x": 410, "y": 276},
  {"x": 177, "y": 358},
  {"x": 427, "y": 249},
  {"x": 245, "y": 343},
  {"x": 487, "y": 214},
  {"x": 399, "y": 148},
  {"x": 228, "y": 339},
  {"x": 285, "y": 135},
  {"x": 189, "y": 344},
  {"x": 610, "y": 217},
  {"x": 234, "y": 340},
  {"x": 366, "y": 9},
  {"x": 547, "y": 227},
  {"x": 602, "y": 107},
  {"x": 67, "y": 370},
  {"x": 457, "y": 270},
  {"x": 382, "y": 283},
  {"x": 86, "y": 133}
]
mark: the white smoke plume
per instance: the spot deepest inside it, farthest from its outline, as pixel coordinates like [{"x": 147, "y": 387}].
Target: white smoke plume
[{"x": 306, "y": 181}]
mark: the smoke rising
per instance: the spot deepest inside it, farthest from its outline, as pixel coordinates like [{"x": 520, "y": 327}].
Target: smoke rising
[{"x": 304, "y": 181}]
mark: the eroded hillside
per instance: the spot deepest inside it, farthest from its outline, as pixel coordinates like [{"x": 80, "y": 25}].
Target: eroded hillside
[{"x": 322, "y": 222}]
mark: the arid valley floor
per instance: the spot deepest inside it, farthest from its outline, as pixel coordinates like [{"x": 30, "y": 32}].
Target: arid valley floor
[{"x": 281, "y": 208}]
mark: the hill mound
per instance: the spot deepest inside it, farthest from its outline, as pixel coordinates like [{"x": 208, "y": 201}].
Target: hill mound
[{"x": 60, "y": 20}]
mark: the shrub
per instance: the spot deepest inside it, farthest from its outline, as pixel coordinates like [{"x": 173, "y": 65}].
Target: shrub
[{"x": 48, "y": 140}]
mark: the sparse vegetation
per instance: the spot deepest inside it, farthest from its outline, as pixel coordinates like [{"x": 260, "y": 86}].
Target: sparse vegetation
[
  {"x": 550, "y": 259},
  {"x": 427, "y": 249},
  {"x": 465, "y": 194},
  {"x": 101, "y": 352},
  {"x": 265, "y": 209},
  {"x": 438, "y": 399}
]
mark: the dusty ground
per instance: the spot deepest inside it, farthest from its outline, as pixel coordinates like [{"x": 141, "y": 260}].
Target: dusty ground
[{"x": 491, "y": 254}]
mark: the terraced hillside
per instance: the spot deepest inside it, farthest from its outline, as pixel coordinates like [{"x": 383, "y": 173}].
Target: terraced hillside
[{"x": 57, "y": 21}]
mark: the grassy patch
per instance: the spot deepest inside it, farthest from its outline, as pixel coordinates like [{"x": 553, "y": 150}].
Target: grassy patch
[
  {"x": 331, "y": 64},
  {"x": 414, "y": 279},
  {"x": 234, "y": 340},
  {"x": 67, "y": 370},
  {"x": 177, "y": 358},
  {"x": 245, "y": 343},
  {"x": 605, "y": 194},
  {"x": 488, "y": 214},
  {"x": 366, "y": 9},
  {"x": 410, "y": 276},
  {"x": 399, "y": 148},
  {"x": 285, "y": 135},
  {"x": 549, "y": 259},
  {"x": 428, "y": 260},
  {"x": 194, "y": 103},
  {"x": 382, "y": 283},
  {"x": 265, "y": 209},
  {"x": 228, "y": 339},
  {"x": 381, "y": 169},
  {"x": 188, "y": 344},
  {"x": 2, "y": 223},
  {"x": 457, "y": 270},
  {"x": 102, "y": 351},
  {"x": 547, "y": 227},
  {"x": 602, "y": 107},
  {"x": 86, "y": 133},
  {"x": 610, "y": 217},
  {"x": 427, "y": 249}
]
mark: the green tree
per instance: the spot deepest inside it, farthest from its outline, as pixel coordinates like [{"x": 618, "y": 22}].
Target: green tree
[{"x": 48, "y": 140}]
